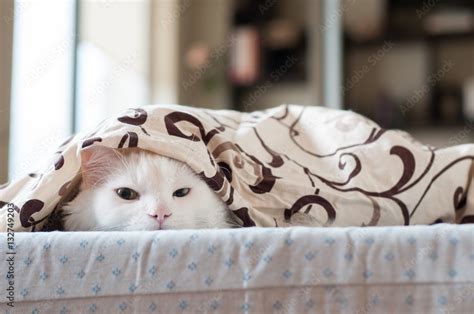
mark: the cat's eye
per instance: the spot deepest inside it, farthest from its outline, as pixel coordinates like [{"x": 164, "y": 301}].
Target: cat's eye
[
  {"x": 127, "y": 194},
  {"x": 181, "y": 192}
]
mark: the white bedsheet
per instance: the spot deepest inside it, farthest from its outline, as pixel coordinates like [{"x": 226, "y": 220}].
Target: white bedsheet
[{"x": 417, "y": 269}]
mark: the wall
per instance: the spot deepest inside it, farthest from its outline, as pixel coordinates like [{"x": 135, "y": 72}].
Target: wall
[{"x": 6, "y": 31}]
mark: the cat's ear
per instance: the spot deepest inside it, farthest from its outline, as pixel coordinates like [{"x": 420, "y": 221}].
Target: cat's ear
[{"x": 96, "y": 163}]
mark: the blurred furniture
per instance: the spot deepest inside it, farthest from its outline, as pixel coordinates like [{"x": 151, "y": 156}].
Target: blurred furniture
[
  {"x": 260, "y": 54},
  {"x": 409, "y": 69},
  {"x": 283, "y": 56}
]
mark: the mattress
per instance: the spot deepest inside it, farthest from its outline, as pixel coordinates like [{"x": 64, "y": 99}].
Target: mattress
[{"x": 417, "y": 269}]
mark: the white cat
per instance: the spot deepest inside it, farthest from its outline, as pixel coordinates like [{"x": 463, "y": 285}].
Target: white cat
[{"x": 138, "y": 190}]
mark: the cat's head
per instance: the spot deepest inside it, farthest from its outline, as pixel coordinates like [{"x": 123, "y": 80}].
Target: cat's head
[{"x": 138, "y": 190}]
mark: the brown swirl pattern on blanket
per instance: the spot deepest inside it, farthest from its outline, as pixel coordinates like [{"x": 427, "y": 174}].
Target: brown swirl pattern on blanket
[{"x": 279, "y": 167}]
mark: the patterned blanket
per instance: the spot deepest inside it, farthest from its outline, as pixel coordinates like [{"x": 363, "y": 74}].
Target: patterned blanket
[{"x": 277, "y": 167}]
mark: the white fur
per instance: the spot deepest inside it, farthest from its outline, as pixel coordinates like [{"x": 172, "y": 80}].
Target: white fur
[{"x": 155, "y": 178}]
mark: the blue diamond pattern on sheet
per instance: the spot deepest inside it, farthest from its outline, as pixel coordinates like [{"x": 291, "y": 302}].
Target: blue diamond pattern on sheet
[
  {"x": 328, "y": 273},
  {"x": 173, "y": 253},
  {"x": 96, "y": 289},
  {"x": 152, "y": 307},
  {"x": 309, "y": 256},
  {"x": 63, "y": 259},
  {"x": 100, "y": 258},
  {"x": 442, "y": 300},
  {"x": 214, "y": 305},
  {"x": 208, "y": 281},
  {"x": 410, "y": 273},
  {"x": 116, "y": 271},
  {"x": 122, "y": 306},
  {"x": 228, "y": 262},
  {"x": 246, "y": 277},
  {"x": 306, "y": 270},
  {"x": 277, "y": 306},
  {"x": 183, "y": 304},
  {"x": 132, "y": 288},
  {"x": 81, "y": 274},
  {"x": 454, "y": 241},
  {"x": 93, "y": 308},
  {"x": 211, "y": 248},
  {"x": 412, "y": 240},
  {"x": 369, "y": 241},
  {"x": 433, "y": 255},
  {"x": 192, "y": 266},
  {"x": 249, "y": 244},
  {"x": 170, "y": 285},
  {"x": 349, "y": 256},
  {"x": 267, "y": 258},
  {"x": 27, "y": 261},
  {"x": 367, "y": 274},
  {"x": 329, "y": 241},
  {"x": 452, "y": 273},
  {"x": 389, "y": 256},
  {"x": 135, "y": 256},
  {"x": 120, "y": 242},
  {"x": 153, "y": 270},
  {"x": 309, "y": 304}
]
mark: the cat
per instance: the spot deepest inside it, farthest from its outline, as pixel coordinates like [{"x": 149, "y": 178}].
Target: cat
[{"x": 139, "y": 190}]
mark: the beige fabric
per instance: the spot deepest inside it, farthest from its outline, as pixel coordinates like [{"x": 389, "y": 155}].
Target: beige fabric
[{"x": 287, "y": 164}]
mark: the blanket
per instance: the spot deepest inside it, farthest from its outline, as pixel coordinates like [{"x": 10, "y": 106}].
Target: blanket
[{"x": 275, "y": 167}]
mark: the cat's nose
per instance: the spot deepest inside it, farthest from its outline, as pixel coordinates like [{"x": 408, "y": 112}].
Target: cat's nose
[{"x": 160, "y": 215}]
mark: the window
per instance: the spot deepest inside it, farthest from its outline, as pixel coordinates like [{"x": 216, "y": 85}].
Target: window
[
  {"x": 42, "y": 81},
  {"x": 91, "y": 53}
]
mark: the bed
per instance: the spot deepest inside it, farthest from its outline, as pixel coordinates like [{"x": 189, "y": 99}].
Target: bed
[
  {"x": 360, "y": 175},
  {"x": 417, "y": 269}
]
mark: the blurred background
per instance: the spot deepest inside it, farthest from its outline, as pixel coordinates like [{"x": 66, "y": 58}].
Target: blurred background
[{"x": 67, "y": 64}]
